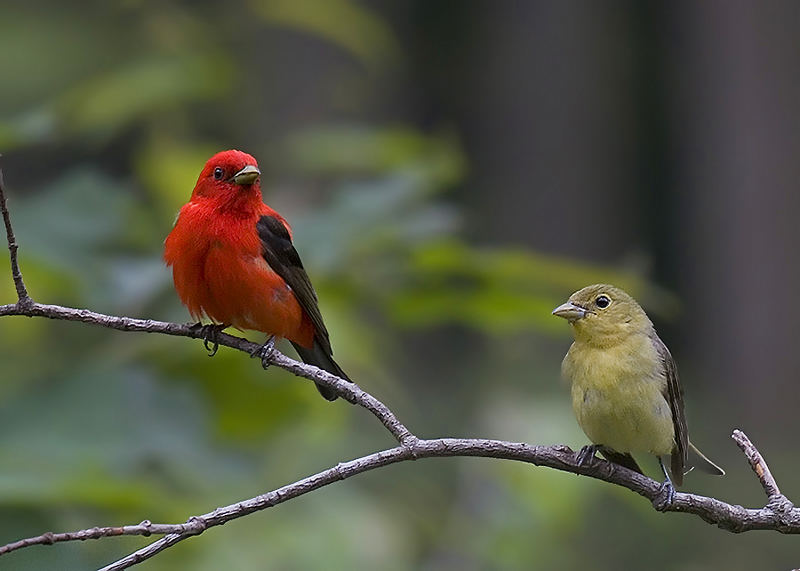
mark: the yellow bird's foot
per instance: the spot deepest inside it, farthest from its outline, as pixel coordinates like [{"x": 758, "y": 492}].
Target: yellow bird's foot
[
  {"x": 586, "y": 454},
  {"x": 666, "y": 496},
  {"x": 209, "y": 333},
  {"x": 265, "y": 352}
]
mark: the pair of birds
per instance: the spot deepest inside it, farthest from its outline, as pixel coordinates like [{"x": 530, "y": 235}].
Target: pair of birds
[{"x": 233, "y": 262}]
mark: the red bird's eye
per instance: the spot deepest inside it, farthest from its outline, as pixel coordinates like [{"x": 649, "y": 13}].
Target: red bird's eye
[{"x": 219, "y": 173}]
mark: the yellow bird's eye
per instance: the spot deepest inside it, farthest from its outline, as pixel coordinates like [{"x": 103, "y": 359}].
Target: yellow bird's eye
[{"x": 602, "y": 301}]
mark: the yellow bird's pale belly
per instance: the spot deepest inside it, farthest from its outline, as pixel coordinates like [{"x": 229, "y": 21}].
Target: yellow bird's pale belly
[{"x": 617, "y": 396}]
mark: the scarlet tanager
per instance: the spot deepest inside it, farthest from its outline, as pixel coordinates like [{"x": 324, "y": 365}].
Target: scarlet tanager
[
  {"x": 625, "y": 389},
  {"x": 233, "y": 261}
]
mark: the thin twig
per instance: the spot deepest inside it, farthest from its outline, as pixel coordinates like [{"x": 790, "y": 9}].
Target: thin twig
[
  {"x": 22, "y": 292},
  {"x": 758, "y": 463},
  {"x": 145, "y": 529}
]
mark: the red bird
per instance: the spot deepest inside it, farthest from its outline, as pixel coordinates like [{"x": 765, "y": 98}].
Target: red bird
[{"x": 233, "y": 261}]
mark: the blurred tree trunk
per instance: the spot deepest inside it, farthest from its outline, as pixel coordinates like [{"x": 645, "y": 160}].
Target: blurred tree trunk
[
  {"x": 548, "y": 116},
  {"x": 736, "y": 87}
]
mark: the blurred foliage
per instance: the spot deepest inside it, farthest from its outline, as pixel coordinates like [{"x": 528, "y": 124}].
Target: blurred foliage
[
  {"x": 113, "y": 110},
  {"x": 341, "y": 22}
]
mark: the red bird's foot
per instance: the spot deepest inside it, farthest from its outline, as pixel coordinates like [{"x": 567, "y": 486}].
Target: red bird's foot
[
  {"x": 209, "y": 333},
  {"x": 265, "y": 352}
]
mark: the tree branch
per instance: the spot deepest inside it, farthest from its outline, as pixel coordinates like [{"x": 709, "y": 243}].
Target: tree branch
[
  {"x": 23, "y": 299},
  {"x": 757, "y": 463},
  {"x": 351, "y": 392},
  {"x": 729, "y": 517},
  {"x": 779, "y": 514}
]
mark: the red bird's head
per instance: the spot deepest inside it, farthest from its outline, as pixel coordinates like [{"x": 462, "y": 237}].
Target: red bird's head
[{"x": 228, "y": 176}]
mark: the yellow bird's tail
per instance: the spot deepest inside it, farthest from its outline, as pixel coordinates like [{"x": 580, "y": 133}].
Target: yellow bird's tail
[{"x": 699, "y": 460}]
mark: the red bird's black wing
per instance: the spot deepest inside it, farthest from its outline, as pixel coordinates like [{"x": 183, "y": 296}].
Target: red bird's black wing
[{"x": 280, "y": 254}]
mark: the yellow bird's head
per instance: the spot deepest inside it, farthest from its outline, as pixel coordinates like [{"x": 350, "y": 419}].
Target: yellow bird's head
[{"x": 603, "y": 315}]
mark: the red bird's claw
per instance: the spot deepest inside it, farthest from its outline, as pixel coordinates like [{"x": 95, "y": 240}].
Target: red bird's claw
[
  {"x": 210, "y": 335},
  {"x": 264, "y": 352}
]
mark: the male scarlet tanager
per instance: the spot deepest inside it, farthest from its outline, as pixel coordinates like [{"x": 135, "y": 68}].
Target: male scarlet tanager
[
  {"x": 625, "y": 389},
  {"x": 233, "y": 261}
]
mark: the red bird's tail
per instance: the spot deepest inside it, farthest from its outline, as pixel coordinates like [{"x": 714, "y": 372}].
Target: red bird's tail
[{"x": 318, "y": 357}]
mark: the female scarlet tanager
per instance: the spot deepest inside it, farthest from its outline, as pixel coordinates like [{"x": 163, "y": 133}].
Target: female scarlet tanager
[
  {"x": 625, "y": 389},
  {"x": 233, "y": 261}
]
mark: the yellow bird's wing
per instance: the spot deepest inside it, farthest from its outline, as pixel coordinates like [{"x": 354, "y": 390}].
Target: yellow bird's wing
[{"x": 674, "y": 396}]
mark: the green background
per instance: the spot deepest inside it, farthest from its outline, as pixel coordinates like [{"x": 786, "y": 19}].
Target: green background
[{"x": 452, "y": 172}]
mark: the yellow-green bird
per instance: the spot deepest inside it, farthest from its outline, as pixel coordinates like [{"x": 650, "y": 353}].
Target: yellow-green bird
[{"x": 625, "y": 389}]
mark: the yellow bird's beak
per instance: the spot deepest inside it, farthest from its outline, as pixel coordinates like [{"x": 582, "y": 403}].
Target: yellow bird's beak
[
  {"x": 570, "y": 311},
  {"x": 247, "y": 175}
]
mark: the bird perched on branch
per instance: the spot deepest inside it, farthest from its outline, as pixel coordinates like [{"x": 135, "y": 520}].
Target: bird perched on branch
[
  {"x": 233, "y": 261},
  {"x": 625, "y": 389}
]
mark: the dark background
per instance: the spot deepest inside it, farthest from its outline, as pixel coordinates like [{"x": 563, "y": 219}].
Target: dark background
[{"x": 452, "y": 172}]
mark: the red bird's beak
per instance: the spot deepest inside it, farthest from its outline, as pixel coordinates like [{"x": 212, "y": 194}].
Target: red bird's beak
[{"x": 248, "y": 175}]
